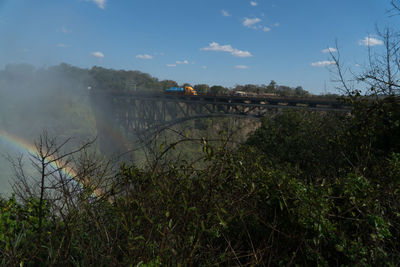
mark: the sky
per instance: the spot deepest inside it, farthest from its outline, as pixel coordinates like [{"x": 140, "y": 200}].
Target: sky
[{"x": 217, "y": 42}]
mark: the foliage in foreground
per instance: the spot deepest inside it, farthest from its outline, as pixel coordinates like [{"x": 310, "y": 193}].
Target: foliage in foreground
[{"x": 280, "y": 199}]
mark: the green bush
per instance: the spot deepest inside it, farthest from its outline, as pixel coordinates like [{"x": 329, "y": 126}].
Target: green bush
[{"x": 306, "y": 189}]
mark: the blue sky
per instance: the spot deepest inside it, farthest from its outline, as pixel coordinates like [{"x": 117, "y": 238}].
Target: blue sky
[{"x": 218, "y": 42}]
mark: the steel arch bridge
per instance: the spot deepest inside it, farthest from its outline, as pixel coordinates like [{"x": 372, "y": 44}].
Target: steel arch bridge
[{"x": 139, "y": 112}]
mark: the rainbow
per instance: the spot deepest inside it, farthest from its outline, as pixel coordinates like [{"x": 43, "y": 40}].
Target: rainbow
[{"x": 26, "y": 147}]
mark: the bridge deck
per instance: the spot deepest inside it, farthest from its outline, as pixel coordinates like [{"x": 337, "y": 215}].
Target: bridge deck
[{"x": 317, "y": 103}]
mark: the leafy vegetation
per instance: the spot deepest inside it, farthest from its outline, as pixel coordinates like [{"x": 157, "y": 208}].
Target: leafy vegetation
[
  {"x": 306, "y": 188},
  {"x": 274, "y": 89}
]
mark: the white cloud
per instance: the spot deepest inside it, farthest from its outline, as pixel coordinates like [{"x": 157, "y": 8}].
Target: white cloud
[
  {"x": 250, "y": 22},
  {"x": 253, "y": 3},
  {"x": 182, "y": 62},
  {"x": 329, "y": 50},
  {"x": 322, "y": 63},
  {"x": 370, "y": 41},
  {"x": 226, "y": 48},
  {"x": 100, "y": 3},
  {"x": 171, "y": 65},
  {"x": 241, "y": 67},
  {"x": 145, "y": 56},
  {"x": 97, "y": 54},
  {"x": 240, "y": 53},
  {"x": 266, "y": 29},
  {"x": 216, "y": 47},
  {"x": 277, "y": 24},
  {"x": 62, "y": 45},
  {"x": 356, "y": 65},
  {"x": 225, "y": 13},
  {"x": 204, "y": 67}
]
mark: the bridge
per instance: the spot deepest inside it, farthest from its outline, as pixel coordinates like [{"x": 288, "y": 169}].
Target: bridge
[{"x": 139, "y": 112}]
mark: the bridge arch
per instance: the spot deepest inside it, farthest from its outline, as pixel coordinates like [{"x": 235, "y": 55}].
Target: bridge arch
[{"x": 138, "y": 112}]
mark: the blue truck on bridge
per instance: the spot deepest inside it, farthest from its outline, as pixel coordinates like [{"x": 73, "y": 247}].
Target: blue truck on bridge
[{"x": 187, "y": 90}]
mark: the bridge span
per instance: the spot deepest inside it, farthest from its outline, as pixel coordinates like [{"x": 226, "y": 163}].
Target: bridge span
[{"x": 139, "y": 111}]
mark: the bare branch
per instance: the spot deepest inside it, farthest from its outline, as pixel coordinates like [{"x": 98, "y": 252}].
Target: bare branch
[{"x": 340, "y": 73}]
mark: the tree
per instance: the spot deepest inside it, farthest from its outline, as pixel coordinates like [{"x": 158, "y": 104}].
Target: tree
[
  {"x": 299, "y": 91},
  {"x": 218, "y": 90},
  {"x": 271, "y": 87},
  {"x": 238, "y": 88},
  {"x": 251, "y": 88},
  {"x": 202, "y": 88},
  {"x": 61, "y": 183},
  {"x": 396, "y": 6},
  {"x": 120, "y": 80},
  {"x": 168, "y": 83},
  {"x": 381, "y": 75},
  {"x": 374, "y": 94},
  {"x": 284, "y": 90}
]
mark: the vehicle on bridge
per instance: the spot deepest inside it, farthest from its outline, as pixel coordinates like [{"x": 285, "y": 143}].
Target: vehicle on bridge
[{"x": 187, "y": 90}]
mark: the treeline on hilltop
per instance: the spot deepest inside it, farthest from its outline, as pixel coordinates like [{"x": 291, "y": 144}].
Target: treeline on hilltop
[{"x": 70, "y": 78}]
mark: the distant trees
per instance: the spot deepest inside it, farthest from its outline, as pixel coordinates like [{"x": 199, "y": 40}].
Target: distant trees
[
  {"x": 299, "y": 91},
  {"x": 272, "y": 88},
  {"x": 218, "y": 90},
  {"x": 120, "y": 80},
  {"x": 202, "y": 88},
  {"x": 251, "y": 88},
  {"x": 99, "y": 78},
  {"x": 168, "y": 83}
]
